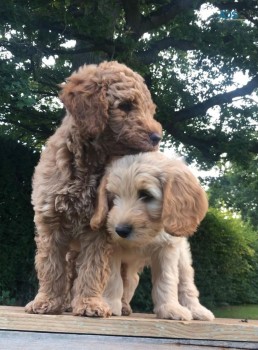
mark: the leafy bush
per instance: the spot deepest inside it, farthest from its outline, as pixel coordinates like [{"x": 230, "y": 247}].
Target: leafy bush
[
  {"x": 225, "y": 256},
  {"x": 142, "y": 301},
  {"x": 17, "y": 277},
  {"x": 5, "y": 298}
]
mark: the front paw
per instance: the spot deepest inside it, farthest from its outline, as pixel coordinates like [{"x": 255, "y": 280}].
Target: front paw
[
  {"x": 173, "y": 311},
  {"x": 126, "y": 309},
  {"x": 42, "y": 304},
  {"x": 200, "y": 312},
  {"x": 91, "y": 307},
  {"x": 115, "y": 305}
]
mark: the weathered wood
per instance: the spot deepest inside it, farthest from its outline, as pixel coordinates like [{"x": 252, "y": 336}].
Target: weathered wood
[
  {"x": 13, "y": 340},
  {"x": 183, "y": 335}
]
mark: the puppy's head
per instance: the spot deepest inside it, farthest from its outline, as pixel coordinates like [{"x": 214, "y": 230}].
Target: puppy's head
[
  {"x": 112, "y": 101},
  {"x": 147, "y": 193}
]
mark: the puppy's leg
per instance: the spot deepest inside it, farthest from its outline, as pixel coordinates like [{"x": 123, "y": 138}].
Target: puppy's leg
[
  {"x": 164, "y": 267},
  {"x": 71, "y": 275},
  {"x": 114, "y": 289},
  {"x": 188, "y": 293},
  {"x": 93, "y": 272},
  {"x": 50, "y": 265},
  {"x": 130, "y": 277}
]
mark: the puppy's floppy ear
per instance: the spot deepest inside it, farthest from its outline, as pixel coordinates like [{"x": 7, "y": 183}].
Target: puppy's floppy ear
[
  {"x": 87, "y": 103},
  {"x": 101, "y": 210},
  {"x": 184, "y": 202}
]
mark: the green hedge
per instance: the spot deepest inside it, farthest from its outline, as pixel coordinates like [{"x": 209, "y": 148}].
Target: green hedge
[
  {"x": 17, "y": 276},
  {"x": 225, "y": 256}
]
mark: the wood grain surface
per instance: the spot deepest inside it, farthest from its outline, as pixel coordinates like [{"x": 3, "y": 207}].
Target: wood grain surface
[{"x": 156, "y": 333}]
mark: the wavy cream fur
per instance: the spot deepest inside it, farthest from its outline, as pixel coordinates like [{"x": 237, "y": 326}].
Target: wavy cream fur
[{"x": 157, "y": 239}]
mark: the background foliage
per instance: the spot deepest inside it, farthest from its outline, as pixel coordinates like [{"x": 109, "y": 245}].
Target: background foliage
[
  {"x": 225, "y": 259},
  {"x": 17, "y": 278},
  {"x": 237, "y": 188},
  {"x": 198, "y": 58}
]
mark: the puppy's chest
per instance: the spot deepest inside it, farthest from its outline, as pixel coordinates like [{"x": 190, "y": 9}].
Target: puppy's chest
[
  {"x": 77, "y": 201},
  {"x": 142, "y": 255},
  {"x": 135, "y": 255}
]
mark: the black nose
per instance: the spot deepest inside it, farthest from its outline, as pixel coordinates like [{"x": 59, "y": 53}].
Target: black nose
[
  {"x": 155, "y": 138},
  {"x": 124, "y": 230}
]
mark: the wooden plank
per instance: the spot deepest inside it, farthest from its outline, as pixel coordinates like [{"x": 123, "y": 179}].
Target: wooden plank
[
  {"x": 138, "y": 325},
  {"x": 13, "y": 340}
]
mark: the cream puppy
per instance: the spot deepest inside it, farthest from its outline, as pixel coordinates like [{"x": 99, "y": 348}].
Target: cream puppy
[{"x": 151, "y": 204}]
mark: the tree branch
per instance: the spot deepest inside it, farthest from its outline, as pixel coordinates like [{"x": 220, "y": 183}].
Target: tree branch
[
  {"x": 141, "y": 24},
  {"x": 133, "y": 15},
  {"x": 151, "y": 55},
  {"x": 166, "y": 13},
  {"x": 202, "y": 107},
  {"x": 38, "y": 129},
  {"x": 254, "y": 148},
  {"x": 25, "y": 47},
  {"x": 209, "y": 146}
]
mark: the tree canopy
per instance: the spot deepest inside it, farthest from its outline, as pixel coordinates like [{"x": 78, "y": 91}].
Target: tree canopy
[
  {"x": 237, "y": 189},
  {"x": 190, "y": 53},
  {"x": 198, "y": 58}
]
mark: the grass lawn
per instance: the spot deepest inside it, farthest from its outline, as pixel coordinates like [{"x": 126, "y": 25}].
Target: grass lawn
[{"x": 242, "y": 311}]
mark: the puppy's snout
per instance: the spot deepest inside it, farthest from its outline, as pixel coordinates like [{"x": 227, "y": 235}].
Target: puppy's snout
[
  {"x": 124, "y": 230},
  {"x": 155, "y": 138}
]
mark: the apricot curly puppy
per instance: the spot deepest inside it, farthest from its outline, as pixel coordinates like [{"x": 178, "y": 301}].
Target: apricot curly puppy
[
  {"x": 154, "y": 202},
  {"x": 109, "y": 113}
]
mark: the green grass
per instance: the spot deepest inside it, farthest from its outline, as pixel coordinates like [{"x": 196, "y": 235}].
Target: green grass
[{"x": 242, "y": 312}]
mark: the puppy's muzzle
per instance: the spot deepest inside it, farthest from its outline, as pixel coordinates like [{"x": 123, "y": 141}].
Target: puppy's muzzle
[
  {"x": 155, "y": 138},
  {"x": 124, "y": 230}
]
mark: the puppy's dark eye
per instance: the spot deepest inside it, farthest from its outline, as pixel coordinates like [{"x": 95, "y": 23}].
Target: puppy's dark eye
[
  {"x": 110, "y": 200},
  {"x": 145, "y": 196},
  {"x": 126, "y": 106}
]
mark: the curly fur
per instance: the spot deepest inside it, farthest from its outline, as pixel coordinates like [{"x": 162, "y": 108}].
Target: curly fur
[
  {"x": 154, "y": 203},
  {"x": 109, "y": 114}
]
